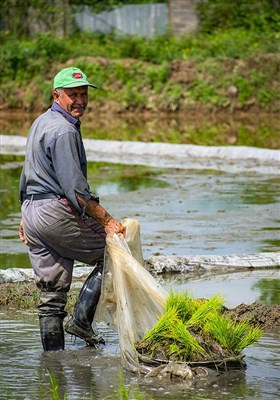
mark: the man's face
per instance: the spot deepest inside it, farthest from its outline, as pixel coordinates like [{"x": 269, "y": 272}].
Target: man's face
[{"x": 74, "y": 100}]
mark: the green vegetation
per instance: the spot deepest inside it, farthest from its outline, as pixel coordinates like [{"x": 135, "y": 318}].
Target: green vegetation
[
  {"x": 25, "y": 296},
  {"x": 231, "y": 65},
  {"x": 164, "y": 74},
  {"x": 256, "y": 15},
  {"x": 196, "y": 330}
]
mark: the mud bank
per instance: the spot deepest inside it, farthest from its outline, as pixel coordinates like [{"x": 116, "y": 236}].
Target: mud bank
[
  {"x": 267, "y": 316},
  {"x": 213, "y": 263},
  {"x": 263, "y": 315},
  {"x": 190, "y": 265}
]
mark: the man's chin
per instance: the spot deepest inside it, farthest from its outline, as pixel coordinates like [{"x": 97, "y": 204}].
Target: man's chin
[{"x": 77, "y": 113}]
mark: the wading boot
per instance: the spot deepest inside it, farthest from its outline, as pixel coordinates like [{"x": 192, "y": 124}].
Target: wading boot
[
  {"x": 80, "y": 324},
  {"x": 52, "y": 333}
]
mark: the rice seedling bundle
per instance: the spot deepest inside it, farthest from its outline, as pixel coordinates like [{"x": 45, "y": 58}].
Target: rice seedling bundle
[{"x": 195, "y": 330}]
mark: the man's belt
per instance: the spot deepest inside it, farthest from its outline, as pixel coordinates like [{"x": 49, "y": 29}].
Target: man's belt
[{"x": 42, "y": 196}]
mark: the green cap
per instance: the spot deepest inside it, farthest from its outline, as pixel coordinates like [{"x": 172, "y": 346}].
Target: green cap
[{"x": 71, "y": 77}]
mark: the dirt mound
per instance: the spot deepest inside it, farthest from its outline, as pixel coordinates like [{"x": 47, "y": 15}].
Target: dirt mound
[{"x": 263, "y": 315}]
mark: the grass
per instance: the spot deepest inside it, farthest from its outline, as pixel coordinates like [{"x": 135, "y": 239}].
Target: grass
[{"x": 25, "y": 296}]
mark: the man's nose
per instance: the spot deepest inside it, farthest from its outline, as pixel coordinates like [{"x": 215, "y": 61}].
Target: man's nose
[{"x": 79, "y": 99}]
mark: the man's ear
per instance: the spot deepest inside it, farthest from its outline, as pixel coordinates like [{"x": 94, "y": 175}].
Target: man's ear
[{"x": 55, "y": 95}]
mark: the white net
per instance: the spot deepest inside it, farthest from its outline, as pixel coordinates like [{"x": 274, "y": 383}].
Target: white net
[{"x": 131, "y": 298}]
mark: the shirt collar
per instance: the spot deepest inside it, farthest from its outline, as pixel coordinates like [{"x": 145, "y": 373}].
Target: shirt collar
[{"x": 74, "y": 121}]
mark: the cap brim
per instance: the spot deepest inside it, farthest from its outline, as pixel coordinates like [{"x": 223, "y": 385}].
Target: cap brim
[{"x": 78, "y": 84}]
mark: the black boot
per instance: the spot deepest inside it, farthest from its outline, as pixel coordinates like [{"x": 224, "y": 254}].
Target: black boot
[
  {"x": 51, "y": 315},
  {"x": 81, "y": 323},
  {"x": 52, "y": 333}
]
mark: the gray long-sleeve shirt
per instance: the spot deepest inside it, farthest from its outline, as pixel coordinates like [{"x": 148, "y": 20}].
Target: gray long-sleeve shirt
[{"x": 55, "y": 158}]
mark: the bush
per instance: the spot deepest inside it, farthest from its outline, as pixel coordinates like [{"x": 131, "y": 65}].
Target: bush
[{"x": 257, "y": 15}]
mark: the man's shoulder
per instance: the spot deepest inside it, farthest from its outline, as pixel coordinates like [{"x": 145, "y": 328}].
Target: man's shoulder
[
  {"x": 49, "y": 126},
  {"x": 55, "y": 121},
  {"x": 52, "y": 116}
]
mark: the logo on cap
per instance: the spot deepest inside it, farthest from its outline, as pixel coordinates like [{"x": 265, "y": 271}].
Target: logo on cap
[{"x": 77, "y": 75}]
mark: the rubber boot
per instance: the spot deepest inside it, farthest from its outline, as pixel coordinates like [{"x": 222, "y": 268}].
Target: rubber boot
[
  {"x": 51, "y": 315},
  {"x": 52, "y": 333},
  {"x": 80, "y": 324}
]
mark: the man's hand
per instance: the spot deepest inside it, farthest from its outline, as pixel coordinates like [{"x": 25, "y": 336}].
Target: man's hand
[
  {"x": 97, "y": 212},
  {"x": 114, "y": 226},
  {"x": 21, "y": 233}
]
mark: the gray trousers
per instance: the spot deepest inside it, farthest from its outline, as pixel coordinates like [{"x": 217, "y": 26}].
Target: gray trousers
[{"x": 57, "y": 235}]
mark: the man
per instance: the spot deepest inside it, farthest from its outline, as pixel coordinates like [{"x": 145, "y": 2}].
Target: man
[{"x": 61, "y": 220}]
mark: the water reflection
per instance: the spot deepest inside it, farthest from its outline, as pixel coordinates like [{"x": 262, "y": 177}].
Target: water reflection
[
  {"x": 104, "y": 179},
  {"x": 269, "y": 290},
  {"x": 258, "y": 193},
  {"x": 258, "y": 130},
  {"x": 27, "y": 372}
]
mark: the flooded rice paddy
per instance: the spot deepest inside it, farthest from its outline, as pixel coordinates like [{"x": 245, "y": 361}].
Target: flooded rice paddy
[
  {"x": 181, "y": 212},
  {"x": 86, "y": 373}
]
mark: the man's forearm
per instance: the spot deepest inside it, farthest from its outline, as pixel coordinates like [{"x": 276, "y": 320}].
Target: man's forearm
[
  {"x": 100, "y": 215},
  {"x": 95, "y": 210}
]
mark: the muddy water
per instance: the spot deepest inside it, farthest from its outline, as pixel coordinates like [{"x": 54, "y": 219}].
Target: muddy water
[
  {"x": 180, "y": 213},
  {"x": 84, "y": 373}
]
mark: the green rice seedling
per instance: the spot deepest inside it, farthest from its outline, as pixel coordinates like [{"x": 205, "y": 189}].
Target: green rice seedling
[
  {"x": 171, "y": 336},
  {"x": 196, "y": 330},
  {"x": 127, "y": 392},
  {"x": 182, "y": 303},
  {"x": 177, "y": 350},
  {"x": 159, "y": 330},
  {"x": 220, "y": 328},
  {"x": 232, "y": 336},
  {"x": 249, "y": 335},
  {"x": 190, "y": 348},
  {"x": 54, "y": 388},
  {"x": 204, "y": 312}
]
